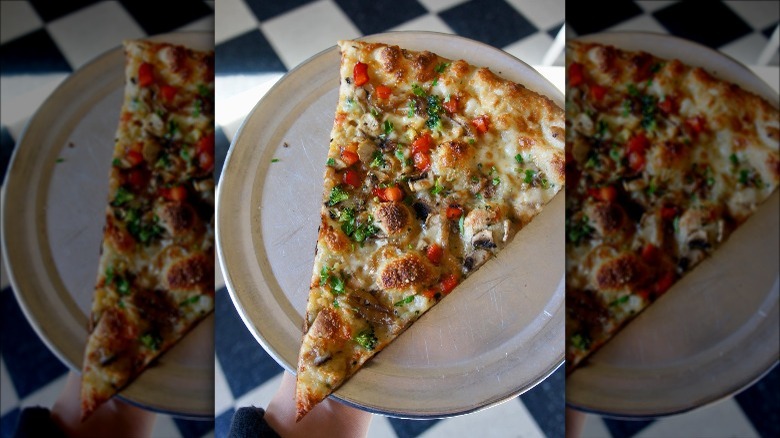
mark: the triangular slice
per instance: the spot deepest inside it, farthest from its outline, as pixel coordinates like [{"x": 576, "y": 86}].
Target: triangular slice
[
  {"x": 665, "y": 161},
  {"x": 156, "y": 272},
  {"x": 433, "y": 167}
]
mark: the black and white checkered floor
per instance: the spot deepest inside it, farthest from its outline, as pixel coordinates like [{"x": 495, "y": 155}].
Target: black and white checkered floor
[{"x": 257, "y": 42}]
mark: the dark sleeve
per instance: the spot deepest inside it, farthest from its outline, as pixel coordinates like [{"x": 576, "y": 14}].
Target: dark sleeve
[
  {"x": 37, "y": 422},
  {"x": 250, "y": 422}
]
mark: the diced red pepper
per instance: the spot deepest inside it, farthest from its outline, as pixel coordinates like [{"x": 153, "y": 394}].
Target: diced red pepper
[
  {"x": 604, "y": 193},
  {"x": 451, "y": 106},
  {"x": 392, "y": 193},
  {"x": 168, "y": 93},
  {"x": 383, "y": 92},
  {"x": 448, "y": 283},
  {"x": 636, "y": 151},
  {"x": 175, "y": 193},
  {"x": 422, "y": 144},
  {"x": 664, "y": 283},
  {"x": 145, "y": 74},
  {"x": 481, "y": 123},
  {"x": 454, "y": 212},
  {"x": 422, "y": 161},
  {"x": 650, "y": 253},
  {"x": 597, "y": 92},
  {"x": 351, "y": 177},
  {"x": 668, "y": 212},
  {"x": 696, "y": 124},
  {"x": 360, "y": 73},
  {"x": 134, "y": 157},
  {"x": 430, "y": 293},
  {"x": 434, "y": 253},
  {"x": 576, "y": 75},
  {"x": 137, "y": 178},
  {"x": 205, "y": 151},
  {"x": 668, "y": 105},
  {"x": 349, "y": 158}
]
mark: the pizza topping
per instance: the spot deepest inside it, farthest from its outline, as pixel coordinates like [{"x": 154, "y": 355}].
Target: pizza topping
[
  {"x": 145, "y": 74},
  {"x": 360, "y": 74}
]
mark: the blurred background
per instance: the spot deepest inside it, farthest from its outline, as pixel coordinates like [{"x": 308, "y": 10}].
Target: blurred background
[{"x": 41, "y": 44}]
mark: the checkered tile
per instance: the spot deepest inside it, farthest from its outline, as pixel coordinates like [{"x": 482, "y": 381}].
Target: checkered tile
[
  {"x": 41, "y": 42},
  {"x": 740, "y": 29}
]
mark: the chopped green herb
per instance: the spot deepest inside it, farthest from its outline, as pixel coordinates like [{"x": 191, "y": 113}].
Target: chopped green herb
[
  {"x": 377, "y": 160},
  {"x": 109, "y": 275},
  {"x": 602, "y": 128},
  {"x": 275, "y": 160},
  {"x": 529, "y": 176},
  {"x": 649, "y": 109},
  {"x": 496, "y": 181},
  {"x": 744, "y": 177},
  {"x": 580, "y": 341},
  {"x": 435, "y": 82},
  {"x": 472, "y": 140},
  {"x": 441, "y": 67},
  {"x": 122, "y": 197},
  {"x": 399, "y": 154},
  {"x": 734, "y": 159},
  {"x": 619, "y": 301},
  {"x": 437, "y": 187},
  {"x": 184, "y": 153},
  {"x": 676, "y": 224},
  {"x": 632, "y": 90},
  {"x": 651, "y": 188},
  {"x": 337, "y": 285},
  {"x": 389, "y": 127},
  {"x": 519, "y": 158},
  {"x": 151, "y": 341},
  {"x": 578, "y": 230},
  {"x": 614, "y": 153},
  {"x": 60, "y": 160},
  {"x": 203, "y": 90},
  {"x": 331, "y": 162},
  {"x": 163, "y": 161},
  {"x": 626, "y": 107},
  {"x": 336, "y": 304},
  {"x": 367, "y": 339},
  {"x": 324, "y": 275},
  {"x": 460, "y": 224},
  {"x": 406, "y": 300},
  {"x": 337, "y": 194},
  {"x": 198, "y": 108},
  {"x": 412, "y": 108},
  {"x": 116, "y": 162},
  {"x": 173, "y": 127},
  {"x": 191, "y": 300},
  {"x": 417, "y": 90},
  {"x": 122, "y": 285},
  {"x": 434, "y": 111}
]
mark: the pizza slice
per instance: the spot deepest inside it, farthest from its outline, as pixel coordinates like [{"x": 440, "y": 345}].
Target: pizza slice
[
  {"x": 664, "y": 162},
  {"x": 156, "y": 271},
  {"x": 433, "y": 166}
]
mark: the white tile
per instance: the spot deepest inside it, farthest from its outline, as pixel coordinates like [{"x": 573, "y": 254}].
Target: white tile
[
  {"x": 652, "y": 6},
  {"x": 507, "y": 419},
  {"x": 233, "y": 18},
  {"x": 260, "y": 396},
  {"x": 165, "y": 427},
  {"x": 531, "y": 50},
  {"x": 440, "y": 5},
  {"x": 238, "y": 94},
  {"x": 23, "y": 94},
  {"x": 205, "y": 24},
  {"x": 594, "y": 427},
  {"x": 427, "y": 22},
  {"x": 308, "y": 30},
  {"x": 8, "y": 398},
  {"x": 543, "y": 15},
  {"x": 47, "y": 395},
  {"x": 223, "y": 397},
  {"x": 380, "y": 428},
  {"x": 758, "y": 14},
  {"x": 85, "y": 34},
  {"x": 723, "y": 419},
  {"x": 746, "y": 49},
  {"x": 642, "y": 23},
  {"x": 17, "y": 19}
]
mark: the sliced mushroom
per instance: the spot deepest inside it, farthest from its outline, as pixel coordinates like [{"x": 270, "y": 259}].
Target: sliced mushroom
[
  {"x": 369, "y": 308},
  {"x": 483, "y": 240},
  {"x": 475, "y": 260},
  {"x": 420, "y": 183}
]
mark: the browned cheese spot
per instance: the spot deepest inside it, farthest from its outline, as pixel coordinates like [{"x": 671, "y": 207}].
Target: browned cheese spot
[
  {"x": 403, "y": 273},
  {"x": 328, "y": 325},
  {"x": 394, "y": 216},
  {"x": 118, "y": 236},
  {"x": 424, "y": 64},
  {"x": 454, "y": 152},
  {"x": 619, "y": 272},
  {"x": 196, "y": 272},
  {"x": 177, "y": 217}
]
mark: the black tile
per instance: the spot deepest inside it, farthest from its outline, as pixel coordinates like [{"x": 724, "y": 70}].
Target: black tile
[
  {"x": 22, "y": 348},
  {"x": 222, "y": 423},
  {"x": 767, "y": 32},
  {"x": 8, "y": 422},
  {"x": 6, "y": 150},
  {"x": 546, "y": 403},
  {"x": 193, "y": 428},
  {"x": 246, "y": 54},
  {"x": 553, "y": 31},
  {"x": 34, "y": 53},
  {"x": 720, "y": 25},
  {"x": 493, "y": 22},
  {"x": 410, "y": 428},
  {"x": 264, "y": 9},
  {"x": 51, "y": 10},
  {"x": 221, "y": 146},
  {"x": 245, "y": 364},
  {"x": 374, "y": 17},
  {"x": 761, "y": 404},
  {"x": 165, "y": 16},
  {"x": 586, "y": 17},
  {"x": 626, "y": 429}
]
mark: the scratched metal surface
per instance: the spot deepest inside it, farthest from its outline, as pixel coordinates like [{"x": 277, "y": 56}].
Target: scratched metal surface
[
  {"x": 715, "y": 332},
  {"x": 497, "y": 335},
  {"x": 53, "y": 214}
]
